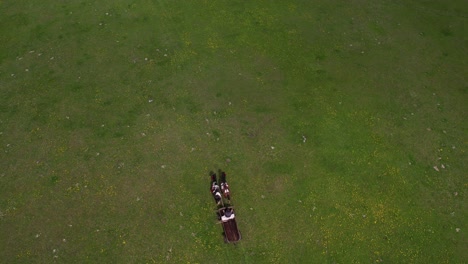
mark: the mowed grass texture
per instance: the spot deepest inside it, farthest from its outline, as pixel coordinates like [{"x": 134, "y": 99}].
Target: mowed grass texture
[{"x": 341, "y": 126}]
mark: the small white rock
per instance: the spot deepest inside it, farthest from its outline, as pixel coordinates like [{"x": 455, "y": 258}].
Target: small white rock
[
  {"x": 457, "y": 229},
  {"x": 436, "y": 168}
]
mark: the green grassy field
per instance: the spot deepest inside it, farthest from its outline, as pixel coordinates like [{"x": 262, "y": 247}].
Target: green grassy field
[{"x": 341, "y": 126}]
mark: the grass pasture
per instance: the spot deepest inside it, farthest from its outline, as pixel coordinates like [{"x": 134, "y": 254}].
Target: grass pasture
[{"x": 341, "y": 126}]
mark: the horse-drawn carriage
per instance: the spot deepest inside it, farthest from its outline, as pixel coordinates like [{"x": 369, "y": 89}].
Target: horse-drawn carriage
[{"x": 225, "y": 211}]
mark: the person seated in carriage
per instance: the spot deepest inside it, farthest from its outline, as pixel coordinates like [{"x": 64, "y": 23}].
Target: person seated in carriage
[{"x": 227, "y": 214}]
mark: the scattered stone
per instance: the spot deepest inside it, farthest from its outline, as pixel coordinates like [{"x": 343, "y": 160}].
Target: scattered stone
[
  {"x": 457, "y": 229},
  {"x": 272, "y": 147},
  {"x": 442, "y": 166},
  {"x": 163, "y": 166},
  {"x": 436, "y": 168}
]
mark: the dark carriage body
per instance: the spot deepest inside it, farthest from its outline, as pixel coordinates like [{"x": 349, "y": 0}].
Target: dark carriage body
[{"x": 231, "y": 232}]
